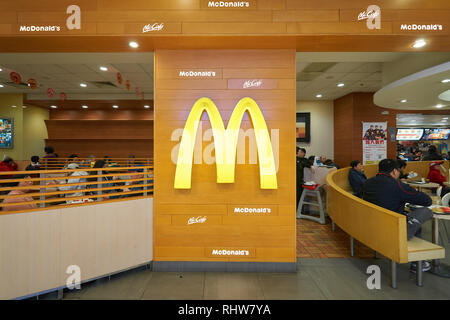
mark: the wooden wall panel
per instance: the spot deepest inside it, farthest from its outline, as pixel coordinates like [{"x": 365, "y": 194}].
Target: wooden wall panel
[{"x": 175, "y": 239}]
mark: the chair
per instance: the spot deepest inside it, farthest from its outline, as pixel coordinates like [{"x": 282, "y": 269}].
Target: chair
[
  {"x": 438, "y": 193},
  {"x": 315, "y": 196},
  {"x": 445, "y": 200}
]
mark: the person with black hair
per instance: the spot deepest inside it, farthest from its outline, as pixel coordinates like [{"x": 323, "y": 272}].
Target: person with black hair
[
  {"x": 50, "y": 152},
  {"x": 432, "y": 154},
  {"x": 387, "y": 191},
  {"x": 34, "y": 164},
  {"x": 302, "y": 163},
  {"x": 25, "y": 185},
  {"x": 402, "y": 167},
  {"x": 356, "y": 177}
]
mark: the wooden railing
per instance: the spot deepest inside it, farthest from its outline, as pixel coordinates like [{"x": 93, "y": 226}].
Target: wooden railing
[
  {"x": 61, "y": 163},
  {"x": 47, "y": 189}
]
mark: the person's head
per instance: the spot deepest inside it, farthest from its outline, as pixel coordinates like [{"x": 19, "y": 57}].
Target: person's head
[
  {"x": 432, "y": 149},
  {"x": 328, "y": 162},
  {"x": 73, "y": 158},
  {"x": 323, "y": 159},
  {"x": 8, "y": 160},
  {"x": 356, "y": 164},
  {"x": 311, "y": 159},
  {"x": 99, "y": 164},
  {"x": 401, "y": 164},
  {"x": 371, "y": 126},
  {"x": 390, "y": 167},
  {"x": 301, "y": 152},
  {"x": 34, "y": 159},
  {"x": 49, "y": 150},
  {"x": 73, "y": 166},
  {"x": 376, "y": 127}
]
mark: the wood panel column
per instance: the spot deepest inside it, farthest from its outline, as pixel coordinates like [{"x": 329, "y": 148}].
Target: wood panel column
[{"x": 191, "y": 223}]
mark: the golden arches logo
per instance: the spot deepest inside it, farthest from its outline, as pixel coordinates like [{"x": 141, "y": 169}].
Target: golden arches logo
[{"x": 225, "y": 142}]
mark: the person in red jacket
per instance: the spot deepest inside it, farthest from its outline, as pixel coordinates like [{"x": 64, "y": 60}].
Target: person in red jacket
[
  {"x": 8, "y": 164},
  {"x": 435, "y": 174}
]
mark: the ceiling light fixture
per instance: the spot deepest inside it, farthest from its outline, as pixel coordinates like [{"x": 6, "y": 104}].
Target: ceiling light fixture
[
  {"x": 340, "y": 85},
  {"x": 318, "y": 95},
  {"x": 84, "y": 85},
  {"x": 419, "y": 43},
  {"x": 2, "y": 86},
  {"x": 115, "y": 107},
  {"x": 403, "y": 100},
  {"x": 445, "y": 81},
  {"x": 1, "y": 69},
  {"x": 133, "y": 44},
  {"x": 439, "y": 106},
  {"x": 103, "y": 68},
  {"x": 13, "y": 106},
  {"x": 84, "y": 107},
  {"x": 147, "y": 107},
  {"x": 53, "y": 107}
]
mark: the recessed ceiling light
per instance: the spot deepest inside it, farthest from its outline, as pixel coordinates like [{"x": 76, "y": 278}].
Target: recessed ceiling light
[
  {"x": 340, "y": 85},
  {"x": 84, "y": 107},
  {"x": 115, "y": 107},
  {"x": 103, "y": 68},
  {"x": 1, "y": 69},
  {"x": 439, "y": 106},
  {"x": 445, "y": 118},
  {"x": 419, "y": 43},
  {"x": 133, "y": 44},
  {"x": 53, "y": 107},
  {"x": 2, "y": 86},
  {"x": 318, "y": 95},
  {"x": 445, "y": 81},
  {"x": 84, "y": 85},
  {"x": 13, "y": 106},
  {"x": 403, "y": 100},
  {"x": 146, "y": 107},
  {"x": 24, "y": 107}
]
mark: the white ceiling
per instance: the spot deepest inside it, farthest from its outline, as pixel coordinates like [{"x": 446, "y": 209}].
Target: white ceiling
[
  {"x": 422, "y": 90},
  {"x": 359, "y": 71},
  {"x": 65, "y": 72}
]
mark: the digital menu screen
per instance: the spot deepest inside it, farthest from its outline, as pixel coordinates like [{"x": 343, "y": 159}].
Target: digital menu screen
[
  {"x": 436, "y": 134},
  {"x": 409, "y": 134},
  {"x": 6, "y": 133}
]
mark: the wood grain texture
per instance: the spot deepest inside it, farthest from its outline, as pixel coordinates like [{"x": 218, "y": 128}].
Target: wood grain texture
[{"x": 175, "y": 239}]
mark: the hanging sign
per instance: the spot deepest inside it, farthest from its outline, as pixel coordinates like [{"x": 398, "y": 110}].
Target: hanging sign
[{"x": 374, "y": 141}]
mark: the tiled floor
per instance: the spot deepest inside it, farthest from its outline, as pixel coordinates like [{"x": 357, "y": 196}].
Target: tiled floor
[
  {"x": 315, "y": 240},
  {"x": 319, "y": 279}
]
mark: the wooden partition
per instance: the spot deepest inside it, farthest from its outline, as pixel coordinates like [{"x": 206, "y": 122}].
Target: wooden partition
[
  {"x": 36, "y": 248},
  {"x": 265, "y": 237}
]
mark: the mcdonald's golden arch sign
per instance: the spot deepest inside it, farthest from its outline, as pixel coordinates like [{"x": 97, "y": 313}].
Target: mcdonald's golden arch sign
[{"x": 225, "y": 142}]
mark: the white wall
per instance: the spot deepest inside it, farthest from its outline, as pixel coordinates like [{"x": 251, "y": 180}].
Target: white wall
[{"x": 322, "y": 127}]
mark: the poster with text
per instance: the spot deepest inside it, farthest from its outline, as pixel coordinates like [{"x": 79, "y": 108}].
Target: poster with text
[{"x": 374, "y": 138}]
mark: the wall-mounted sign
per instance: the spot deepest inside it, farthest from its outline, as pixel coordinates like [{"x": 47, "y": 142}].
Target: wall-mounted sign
[
  {"x": 235, "y": 252},
  {"x": 196, "y": 74},
  {"x": 152, "y": 27},
  {"x": 421, "y": 27},
  {"x": 225, "y": 143},
  {"x": 252, "y": 84},
  {"x": 251, "y": 210},
  {"x": 228, "y": 4},
  {"x": 373, "y": 16},
  {"x": 195, "y": 220},
  {"x": 409, "y": 134}
]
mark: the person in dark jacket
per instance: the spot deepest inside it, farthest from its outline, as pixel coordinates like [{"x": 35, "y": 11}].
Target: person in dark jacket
[
  {"x": 432, "y": 154},
  {"x": 387, "y": 191},
  {"x": 356, "y": 177},
  {"x": 34, "y": 164},
  {"x": 302, "y": 163},
  {"x": 402, "y": 167}
]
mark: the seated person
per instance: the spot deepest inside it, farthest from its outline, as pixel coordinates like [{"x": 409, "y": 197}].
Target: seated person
[
  {"x": 22, "y": 192},
  {"x": 330, "y": 163},
  {"x": 8, "y": 164},
  {"x": 436, "y": 173},
  {"x": 386, "y": 191},
  {"x": 322, "y": 160},
  {"x": 356, "y": 177},
  {"x": 74, "y": 177},
  {"x": 402, "y": 167},
  {"x": 34, "y": 165}
]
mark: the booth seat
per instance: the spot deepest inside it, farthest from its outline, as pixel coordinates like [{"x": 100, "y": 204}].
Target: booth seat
[{"x": 380, "y": 229}]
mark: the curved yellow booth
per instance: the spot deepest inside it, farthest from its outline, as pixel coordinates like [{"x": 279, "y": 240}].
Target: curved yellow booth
[{"x": 380, "y": 229}]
